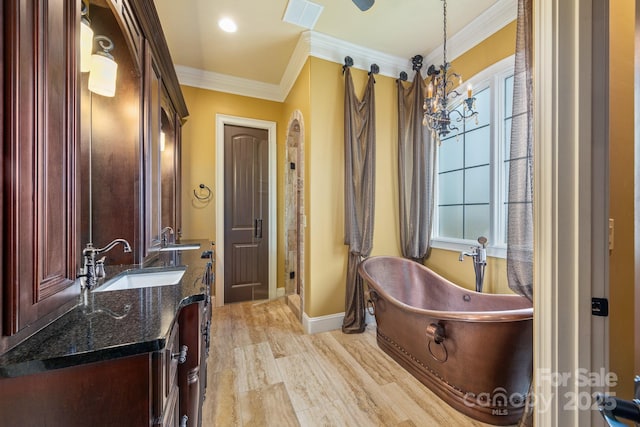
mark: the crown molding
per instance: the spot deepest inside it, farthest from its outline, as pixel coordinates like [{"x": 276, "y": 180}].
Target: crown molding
[
  {"x": 502, "y": 13},
  {"x": 296, "y": 62},
  {"x": 313, "y": 43},
  {"x": 225, "y": 83},
  {"x": 334, "y": 50}
]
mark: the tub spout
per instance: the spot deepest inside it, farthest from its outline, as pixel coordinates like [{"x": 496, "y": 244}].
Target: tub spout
[{"x": 464, "y": 254}]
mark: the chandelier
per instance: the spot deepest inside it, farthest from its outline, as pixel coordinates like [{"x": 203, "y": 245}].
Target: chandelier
[{"x": 437, "y": 117}]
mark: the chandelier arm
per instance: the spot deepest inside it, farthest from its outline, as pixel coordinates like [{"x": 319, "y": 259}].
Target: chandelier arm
[
  {"x": 449, "y": 84},
  {"x": 463, "y": 116},
  {"x": 460, "y": 115}
]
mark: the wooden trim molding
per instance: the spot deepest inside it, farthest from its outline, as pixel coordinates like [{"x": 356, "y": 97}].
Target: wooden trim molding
[
  {"x": 150, "y": 23},
  {"x": 563, "y": 207}
]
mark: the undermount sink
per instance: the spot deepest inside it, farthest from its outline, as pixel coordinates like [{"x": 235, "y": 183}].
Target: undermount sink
[
  {"x": 145, "y": 278},
  {"x": 179, "y": 247}
]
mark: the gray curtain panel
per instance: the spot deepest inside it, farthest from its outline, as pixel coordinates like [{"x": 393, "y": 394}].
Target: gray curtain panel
[
  {"x": 416, "y": 169},
  {"x": 359, "y": 194},
  {"x": 520, "y": 207}
]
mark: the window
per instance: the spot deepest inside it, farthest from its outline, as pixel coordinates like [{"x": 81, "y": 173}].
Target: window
[{"x": 473, "y": 168}]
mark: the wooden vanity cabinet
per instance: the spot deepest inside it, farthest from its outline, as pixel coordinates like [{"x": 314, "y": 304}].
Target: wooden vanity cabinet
[
  {"x": 117, "y": 392},
  {"x": 39, "y": 150},
  {"x": 195, "y": 322},
  {"x": 141, "y": 390},
  {"x": 44, "y": 223},
  {"x": 44, "y": 179}
]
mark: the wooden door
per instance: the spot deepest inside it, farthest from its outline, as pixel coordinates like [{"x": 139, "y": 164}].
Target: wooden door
[{"x": 246, "y": 248}]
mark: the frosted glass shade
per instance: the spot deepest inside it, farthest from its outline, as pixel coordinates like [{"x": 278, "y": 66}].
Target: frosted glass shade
[
  {"x": 86, "y": 45},
  {"x": 102, "y": 79}
]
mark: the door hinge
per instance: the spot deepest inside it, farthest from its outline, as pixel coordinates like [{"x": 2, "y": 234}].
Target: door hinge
[
  {"x": 600, "y": 307},
  {"x": 292, "y": 275}
]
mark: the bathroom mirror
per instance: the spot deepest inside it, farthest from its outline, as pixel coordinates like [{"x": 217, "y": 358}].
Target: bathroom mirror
[
  {"x": 160, "y": 166},
  {"x": 152, "y": 159},
  {"x": 168, "y": 165},
  {"x": 129, "y": 142},
  {"x": 109, "y": 185}
]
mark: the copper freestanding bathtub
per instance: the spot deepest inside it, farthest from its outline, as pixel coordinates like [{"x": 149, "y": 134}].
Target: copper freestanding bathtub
[{"x": 473, "y": 350}]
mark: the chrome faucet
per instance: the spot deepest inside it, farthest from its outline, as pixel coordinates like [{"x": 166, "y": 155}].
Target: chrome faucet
[
  {"x": 479, "y": 255},
  {"x": 92, "y": 269},
  {"x": 163, "y": 235}
]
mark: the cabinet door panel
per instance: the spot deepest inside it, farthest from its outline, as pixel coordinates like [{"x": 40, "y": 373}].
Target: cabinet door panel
[
  {"x": 39, "y": 154},
  {"x": 189, "y": 374}
]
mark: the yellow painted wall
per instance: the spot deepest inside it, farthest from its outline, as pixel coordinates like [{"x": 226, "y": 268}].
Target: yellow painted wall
[
  {"x": 491, "y": 50},
  {"x": 495, "y": 48},
  {"x": 198, "y": 150},
  {"x": 621, "y": 197},
  {"x": 327, "y": 263}
]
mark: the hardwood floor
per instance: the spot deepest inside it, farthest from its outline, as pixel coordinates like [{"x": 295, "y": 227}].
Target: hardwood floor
[{"x": 263, "y": 370}]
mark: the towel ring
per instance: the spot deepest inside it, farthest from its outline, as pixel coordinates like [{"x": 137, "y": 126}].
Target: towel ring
[{"x": 205, "y": 193}]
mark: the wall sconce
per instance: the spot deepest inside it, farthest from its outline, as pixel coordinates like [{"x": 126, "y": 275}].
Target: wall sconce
[
  {"x": 102, "y": 79},
  {"x": 86, "y": 40}
]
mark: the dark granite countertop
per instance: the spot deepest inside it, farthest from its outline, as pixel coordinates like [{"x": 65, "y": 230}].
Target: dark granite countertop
[{"x": 112, "y": 324}]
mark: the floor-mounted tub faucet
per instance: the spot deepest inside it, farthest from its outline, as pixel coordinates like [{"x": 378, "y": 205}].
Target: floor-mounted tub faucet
[{"x": 479, "y": 255}]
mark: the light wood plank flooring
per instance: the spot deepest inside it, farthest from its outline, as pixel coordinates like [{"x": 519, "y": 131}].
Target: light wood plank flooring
[{"x": 264, "y": 371}]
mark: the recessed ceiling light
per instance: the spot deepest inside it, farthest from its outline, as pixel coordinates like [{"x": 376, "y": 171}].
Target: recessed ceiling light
[{"x": 228, "y": 25}]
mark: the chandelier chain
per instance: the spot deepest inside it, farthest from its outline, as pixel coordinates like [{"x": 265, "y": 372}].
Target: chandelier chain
[{"x": 444, "y": 31}]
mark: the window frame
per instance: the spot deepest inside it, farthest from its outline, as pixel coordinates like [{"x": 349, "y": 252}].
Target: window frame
[{"x": 492, "y": 77}]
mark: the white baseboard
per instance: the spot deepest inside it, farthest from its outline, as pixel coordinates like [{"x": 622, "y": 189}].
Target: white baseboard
[
  {"x": 314, "y": 325},
  {"x": 280, "y": 292},
  {"x": 330, "y": 322}
]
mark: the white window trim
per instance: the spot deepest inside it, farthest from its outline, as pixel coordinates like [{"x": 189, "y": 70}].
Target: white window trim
[{"x": 494, "y": 74}]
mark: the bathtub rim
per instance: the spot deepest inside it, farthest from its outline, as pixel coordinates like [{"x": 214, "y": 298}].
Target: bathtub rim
[{"x": 516, "y": 315}]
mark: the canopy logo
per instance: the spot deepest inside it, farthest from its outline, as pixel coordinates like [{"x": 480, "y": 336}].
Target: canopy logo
[{"x": 502, "y": 402}]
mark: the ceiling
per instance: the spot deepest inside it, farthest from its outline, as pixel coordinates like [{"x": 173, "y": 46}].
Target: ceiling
[{"x": 263, "y": 46}]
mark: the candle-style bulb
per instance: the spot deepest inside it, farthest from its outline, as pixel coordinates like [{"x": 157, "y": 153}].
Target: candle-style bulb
[
  {"x": 430, "y": 90},
  {"x": 469, "y": 91}
]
